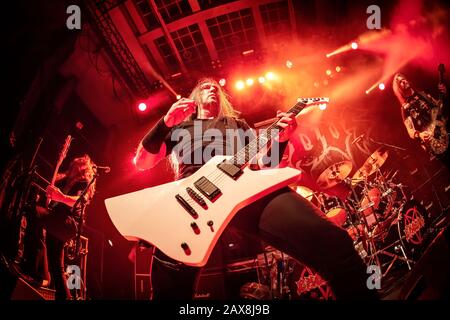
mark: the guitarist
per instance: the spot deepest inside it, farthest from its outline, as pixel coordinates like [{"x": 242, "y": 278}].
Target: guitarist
[
  {"x": 417, "y": 110},
  {"x": 283, "y": 219},
  {"x": 60, "y": 220}
]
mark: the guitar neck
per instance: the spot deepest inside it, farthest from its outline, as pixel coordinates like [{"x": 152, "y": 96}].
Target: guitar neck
[
  {"x": 243, "y": 156},
  {"x": 441, "y": 70}
]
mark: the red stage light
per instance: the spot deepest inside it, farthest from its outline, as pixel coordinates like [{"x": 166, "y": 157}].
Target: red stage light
[
  {"x": 261, "y": 80},
  {"x": 250, "y": 82},
  {"x": 381, "y": 86},
  {"x": 328, "y": 72},
  {"x": 289, "y": 64},
  {"x": 178, "y": 97},
  {"x": 222, "y": 82},
  {"x": 338, "y": 69},
  {"x": 142, "y": 107},
  {"x": 354, "y": 45}
]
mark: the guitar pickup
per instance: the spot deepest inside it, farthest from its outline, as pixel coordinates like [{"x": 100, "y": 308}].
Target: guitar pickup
[
  {"x": 207, "y": 188},
  {"x": 230, "y": 169}
]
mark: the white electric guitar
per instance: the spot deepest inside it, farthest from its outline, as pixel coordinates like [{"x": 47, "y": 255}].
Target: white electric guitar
[{"x": 184, "y": 219}]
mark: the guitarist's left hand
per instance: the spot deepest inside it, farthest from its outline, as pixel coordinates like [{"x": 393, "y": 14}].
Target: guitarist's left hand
[{"x": 288, "y": 123}]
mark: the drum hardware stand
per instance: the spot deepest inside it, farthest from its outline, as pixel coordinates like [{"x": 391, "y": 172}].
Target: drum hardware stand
[
  {"x": 280, "y": 289},
  {"x": 375, "y": 252},
  {"x": 397, "y": 247}
]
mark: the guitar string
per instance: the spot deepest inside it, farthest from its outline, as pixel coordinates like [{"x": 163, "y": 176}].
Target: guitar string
[
  {"x": 220, "y": 175},
  {"x": 246, "y": 150}
]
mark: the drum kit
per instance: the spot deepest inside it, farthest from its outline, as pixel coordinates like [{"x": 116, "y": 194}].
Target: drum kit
[{"x": 385, "y": 225}]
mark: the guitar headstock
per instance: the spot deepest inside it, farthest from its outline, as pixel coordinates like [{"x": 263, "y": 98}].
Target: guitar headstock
[
  {"x": 314, "y": 101},
  {"x": 322, "y": 102}
]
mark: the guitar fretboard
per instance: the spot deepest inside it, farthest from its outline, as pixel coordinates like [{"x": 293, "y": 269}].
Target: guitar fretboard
[{"x": 243, "y": 156}]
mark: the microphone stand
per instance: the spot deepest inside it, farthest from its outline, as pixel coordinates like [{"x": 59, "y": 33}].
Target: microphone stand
[{"x": 386, "y": 144}]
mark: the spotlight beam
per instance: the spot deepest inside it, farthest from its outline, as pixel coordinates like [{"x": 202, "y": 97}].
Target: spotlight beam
[{"x": 339, "y": 50}]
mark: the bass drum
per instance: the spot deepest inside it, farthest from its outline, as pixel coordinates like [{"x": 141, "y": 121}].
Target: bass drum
[
  {"x": 306, "y": 284},
  {"x": 412, "y": 225}
]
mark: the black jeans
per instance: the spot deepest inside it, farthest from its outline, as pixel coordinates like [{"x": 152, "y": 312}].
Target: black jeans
[
  {"x": 55, "y": 252},
  {"x": 291, "y": 224},
  {"x": 60, "y": 228}
]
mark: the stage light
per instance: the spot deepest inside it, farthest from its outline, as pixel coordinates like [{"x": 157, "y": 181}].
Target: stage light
[
  {"x": 322, "y": 106},
  {"x": 261, "y": 80},
  {"x": 289, "y": 64},
  {"x": 338, "y": 69},
  {"x": 240, "y": 85},
  {"x": 381, "y": 86},
  {"x": 328, "y": 72},
  {"x": 79, "y": 125},
  {"x": 110, "y": 242},
  {"x": 250, "y": 82},
  {"x": 178, "y": 97},
  {"x": 270, "y": 75},
  {"x": 354, "y": 45},
  {"x": 142, "y": 107},
  {"x": 222, "y": 82}
]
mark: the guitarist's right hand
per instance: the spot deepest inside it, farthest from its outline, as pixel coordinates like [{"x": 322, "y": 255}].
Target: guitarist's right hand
[
  {"x": 54, "y": 193},
  {"x": 179, "y": 111}
]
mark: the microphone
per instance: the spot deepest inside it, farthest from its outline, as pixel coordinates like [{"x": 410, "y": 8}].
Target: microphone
[
  {"x": 358, "y": 138},
  {"x": 104, "y": 168}
]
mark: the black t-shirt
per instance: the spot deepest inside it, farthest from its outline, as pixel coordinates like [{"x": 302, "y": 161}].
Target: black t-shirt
[
  {"x": 71, "y": 190},
  {"x": 193, "y": 143}
]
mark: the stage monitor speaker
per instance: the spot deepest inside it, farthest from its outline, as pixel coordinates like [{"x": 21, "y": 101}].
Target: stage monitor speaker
[{"x": 24, "y": 291}]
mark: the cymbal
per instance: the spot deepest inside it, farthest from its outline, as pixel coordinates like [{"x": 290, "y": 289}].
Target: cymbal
[
  {"x": 334, "y": 174},
  {"x": 371, "y": 165},
  {"x": 304, "y": 192}
]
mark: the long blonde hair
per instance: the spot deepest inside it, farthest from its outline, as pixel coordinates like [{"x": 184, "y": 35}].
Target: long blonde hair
[
  {"x": 398, "y": 91},
  {"x": 225, "y": 110},
  {"x": 81, "y": 169},
  {"x": 225, "y": 107}
]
